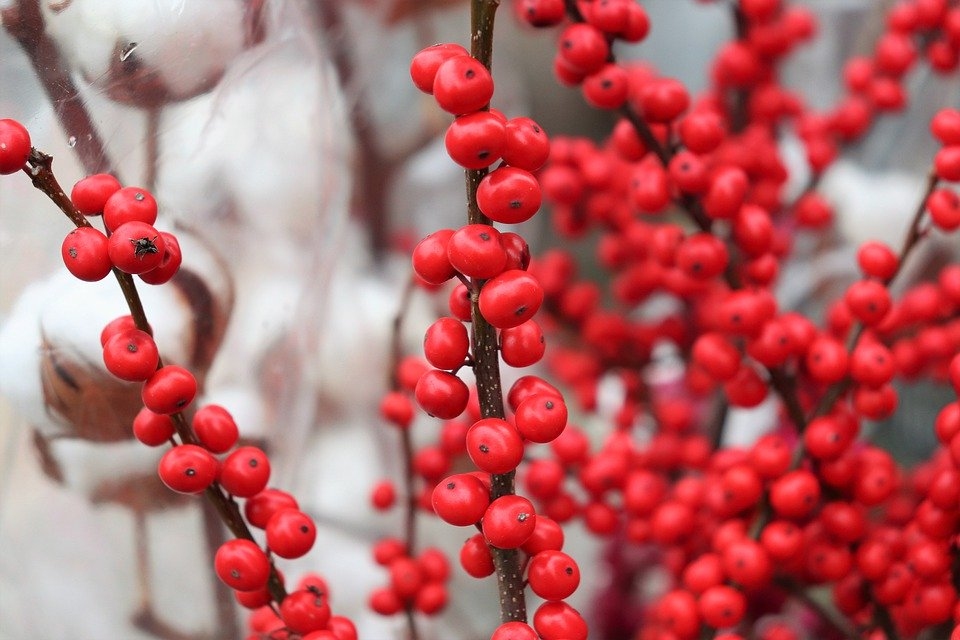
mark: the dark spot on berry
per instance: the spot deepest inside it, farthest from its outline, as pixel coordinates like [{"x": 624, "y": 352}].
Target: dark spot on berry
[
  {"x": 568, "y": 571},
  {"x": 234, "y": 573},
  {"x": 522, "y": 517},
  {"x": 451, "y": 486},
  {"x": 484, "y": 236},
  {"x": 484, "y": 448},
  {"x": 72, "y": 252},
  {"x": 522, "y": 309},
  {"x": 190, "y": 472},
  {"x": 131, "y": 347},
  {"x": 548, "y": 404},
  {"x": 469, "y": 74},
  {"x": 304, "y": 529},
  {"x": 515, "y": 204},
  {"x": 139, "y": 197},
  {"x": 483, "y": 155},
  {"x": 606, "y": 84},
  {"x": 536, "y": 129},
  {"x": 252, "y": 463}
]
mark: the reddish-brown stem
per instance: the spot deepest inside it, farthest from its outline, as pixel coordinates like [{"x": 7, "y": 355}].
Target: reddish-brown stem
[
  {"x": 24, "y": 21},
  {"x": 39, "y": 168},
  {"x": 827, "y": 614},
  {"x": 410, "y": 503},
  {"x": 486, "y": 359}
]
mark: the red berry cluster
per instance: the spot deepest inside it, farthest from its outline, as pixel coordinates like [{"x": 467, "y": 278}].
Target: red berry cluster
[{"x": 191, "y": 465}]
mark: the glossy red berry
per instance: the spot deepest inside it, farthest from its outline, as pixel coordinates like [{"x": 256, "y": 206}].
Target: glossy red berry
[
  {"x": 153, "y": 429},
  {"x": 129, "y": 204},
  {"x": 475, "y": 557},
  {"x": 245, "y": 472},
  {"x": 510, "y": 299},
  {"x": 795, "y": 494},
  {"x": 878, "y": 260},
  {"x": 494, "y": 445},
  {"x": 14, "y": 146},
  {"x": 136, "y": 247},
  {"x": 509, "y": 195},
  {"x": 559, "y": 621},
  {"x": 169, "y": 390},
  {"x": 446, "y": 343},
  {"x": 460, "y": 500},
  {"x": 85, "y": 254},
  {"x": 947, "y": 163},
  {"x": 423, "y": 67},
  {"x": 702, "y": 256},
  {"x": 553, "y": 575},
  {"x": 441, "y": 394},
  {"x": 868, "y": 300},
  {"x": 305, "y": 611},
  {"x": 583, "y": 47},
  {"x": 475, "y": 140},
  {"x": 169, "y": 262},
  {"x": 260, "y": 508},
  {"x": 477, "y": 252},
  {"x": 514, "y": 631},
  {"x": 396, "y": 407},
  {"x": 607, "y": 88},
  {"x": 430, "y": 259},
  {"x": 526, "y": 145},
  {"x": 523, "y": 345},
  {"x": 541, "y": 418},
  {"x": 215, "y": 428},
  {"x": 663, "y": 99},
  {"x": 385, "y": 601},
  {"x": 90, "y": 194},
  {"x": 944, "y": 208},
  {"x": 290, "y": 533},
  {"x": 188, "y": 468},
  {"x": 509, "y": 521},
  {"x": 722, "y": 607},
  {"x": 462, "y": 85},
  {"x": 242, "y": 565},
  {"x": 131, "y": 355}
]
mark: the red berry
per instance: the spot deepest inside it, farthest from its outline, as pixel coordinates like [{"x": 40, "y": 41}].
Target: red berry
[
  {"x": 169, "y": 390},
  {"x": 290, "y": 533},
  {"x": 242, "y": 565},
  {"x": 462, "y": 85},
  {"x": 430, "y": 257},
  {"x": 607, "y": 88},
  {"x": 559, "y": 621},
  {"x": 169, "y": 263},
  {"x": 384, "y": 495},
  {"x": 509, "y": 195},
  {"x": 245, "y": 472},
  {"x": 85, "y": 254},
  {"x": 509, "y": 521},
  {"x": 795, "y": 494},
  {"x": 90, "y": 194},
  {"x": 441, "y": 394},
  {"x": 153, "y": 429},
  {"x": 944, "y": 207},
  {"x": 510, "y": 299},
  {"x": 187, "y": 468},
  {"x": 663, "y": 100},
  {"x": 494, "y": 445},
  {"x": 131, "y": 355},
  {"x": 475, "y": 140},
  {"x": 260, "y": 508},
  {"x": 553, "y": 575},
  {"x": 446, "y": 343},
  {"x": 878, "y": 260},
  {"x": 130, "y": 204},
  {"x": 722, "y": 607},
  {"x": 115, "y": 326},
  {"x": 541, "y": 418},
  {"x": 583, "y": 47},
  {"x": 523, "y": 345},
  {"x": 215, "y": 428},
  {"x": 476, "y": 251},
  {"x": 136, "y": 247},
  {"x": 945, "y": 125},
  {"x": 526, "y": 145},
  {"x": 460, "y": 500},
  {"x": 947, "y": 163},
  {"x": 396, "y": 407},
  {"x": 514, "y": 630},
  {"x": 423, "y": 67},
  {"x": 305, "y": 611},
  {"x": 14, "y": 146},
  {"x": 475, "y": 557}
]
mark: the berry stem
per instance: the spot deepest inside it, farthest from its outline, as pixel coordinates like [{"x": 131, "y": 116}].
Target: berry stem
[
  {"x": 513, "y": 605},
  {"x": 410, "y": 504},
  {"x": 24, "y": 22},
  {"x": 40, "y": 169}
]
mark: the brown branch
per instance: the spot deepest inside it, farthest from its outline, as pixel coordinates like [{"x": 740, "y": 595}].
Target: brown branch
[
  {"x": 827, "y": 614},
  {"x": 486, "y": 359},
  {"x": 24, "y": 22},
  {"x": 39, "y": 168}
]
